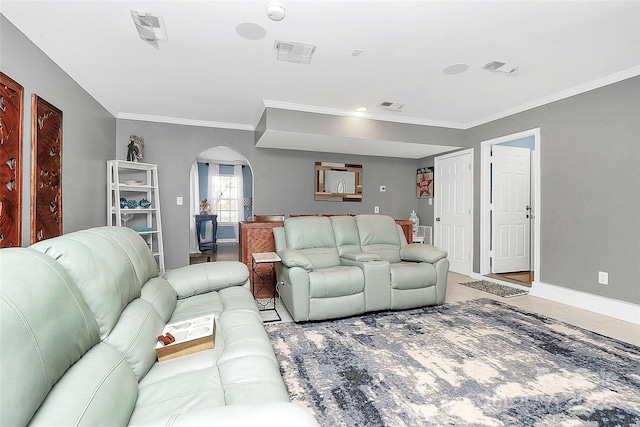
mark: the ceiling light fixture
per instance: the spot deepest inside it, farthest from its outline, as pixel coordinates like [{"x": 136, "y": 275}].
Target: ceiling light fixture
[
  {"x": 150, "y": 27},
  {"x": 275, "y": 11},
  {"x": 362, "y": 109},
  {"x": 298, "y": 53}
]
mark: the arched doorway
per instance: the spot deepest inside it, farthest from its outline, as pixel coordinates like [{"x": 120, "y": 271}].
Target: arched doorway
[{"x": 222, "y": 183}]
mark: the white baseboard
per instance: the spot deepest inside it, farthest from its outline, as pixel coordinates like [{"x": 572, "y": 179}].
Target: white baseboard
[{"x": 617, "y": 309}]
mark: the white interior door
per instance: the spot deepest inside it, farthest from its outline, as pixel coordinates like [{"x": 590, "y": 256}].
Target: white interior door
[
  {"x": 453, "y": 201},
  {"x": 511, "y": 200}
]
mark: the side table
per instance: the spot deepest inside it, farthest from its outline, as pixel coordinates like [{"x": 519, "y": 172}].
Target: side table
[{"x": 261, "y": 279}]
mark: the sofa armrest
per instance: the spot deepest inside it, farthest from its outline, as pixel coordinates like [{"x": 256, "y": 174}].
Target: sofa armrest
[
  {"x": 206, "y": 277},
  {"x": 360, "y": 256},
  {"x": 418, "y": 252},
  {"x": 293, "y": 258}
]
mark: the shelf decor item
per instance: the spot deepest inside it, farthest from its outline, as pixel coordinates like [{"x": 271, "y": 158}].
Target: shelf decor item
[
  {"x": 46, "y": 170},
  {"x": 132, "y": 204},
  {"x": 415, "y": 222},
  {"x": 144, "y": 203}
]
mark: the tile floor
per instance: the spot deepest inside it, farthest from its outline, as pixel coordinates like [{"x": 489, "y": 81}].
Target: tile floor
[{"x": 598, "y": 323}]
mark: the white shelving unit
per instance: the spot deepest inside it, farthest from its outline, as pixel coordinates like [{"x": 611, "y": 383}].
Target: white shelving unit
[{"x": 136, "y": 181}]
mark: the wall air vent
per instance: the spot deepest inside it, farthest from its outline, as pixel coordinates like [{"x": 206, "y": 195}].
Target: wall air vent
[
  {"x": 391, "y": 106},
  {"x": 298, "y": 53},
  {"x": 504, "y": 68},
  {"x": 150, "y": 27}
]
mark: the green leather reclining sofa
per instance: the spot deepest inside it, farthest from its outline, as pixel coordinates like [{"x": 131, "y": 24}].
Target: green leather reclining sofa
[
  {"x": 80, "y": 318},
  {"x": 343, "y": 266}
]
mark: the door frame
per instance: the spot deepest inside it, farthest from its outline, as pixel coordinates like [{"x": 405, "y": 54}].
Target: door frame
[
  {"x": 436, "y": 202},
  {"x": 485, "y": 191}
]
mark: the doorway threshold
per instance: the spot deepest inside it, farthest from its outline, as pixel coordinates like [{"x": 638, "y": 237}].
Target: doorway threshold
[{"x": 522, "y": 278}]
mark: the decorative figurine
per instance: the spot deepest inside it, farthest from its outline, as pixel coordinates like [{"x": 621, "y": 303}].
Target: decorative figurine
[
  {"x": 135, "y": 149},
  {"x": 144, "y": 203},
  {"x": 205, "y": 208}
]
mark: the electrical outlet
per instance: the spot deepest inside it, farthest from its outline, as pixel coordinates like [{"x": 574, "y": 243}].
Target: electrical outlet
[
  {"x": 603, "y": 277},
  {"x": 376, "y": 209},
  {"x": 179, "y": 201}
]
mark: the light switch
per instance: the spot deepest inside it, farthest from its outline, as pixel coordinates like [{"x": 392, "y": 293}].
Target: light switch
[
  {"x": 179, "y": 201},
  {"x": 376, "y": 209},
  {"x": 430, "y": 201}
]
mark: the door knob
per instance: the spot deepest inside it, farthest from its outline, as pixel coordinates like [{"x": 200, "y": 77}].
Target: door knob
[{"x": 438, "y": 219}]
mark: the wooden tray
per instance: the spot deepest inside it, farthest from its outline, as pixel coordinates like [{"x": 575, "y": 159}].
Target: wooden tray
[{"x": 191, "y": 336}]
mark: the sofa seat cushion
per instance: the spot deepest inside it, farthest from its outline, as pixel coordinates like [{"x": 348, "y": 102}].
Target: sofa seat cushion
[
  {"x": 412, "y": 275},
  {"x": 335, "y": 282},
  {"x": 189, "y": 391}
]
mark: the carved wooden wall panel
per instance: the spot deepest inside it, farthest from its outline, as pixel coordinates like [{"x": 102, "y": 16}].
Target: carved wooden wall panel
[
  {"x": 46, "y": 170},
  {"x": 11, "y": 103}
]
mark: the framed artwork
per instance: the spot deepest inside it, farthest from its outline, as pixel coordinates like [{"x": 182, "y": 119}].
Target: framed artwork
[
  {"x": 11, "y": 107},
  {"x": 46, "y": 170},
  {"x": 424, "y": 183}
]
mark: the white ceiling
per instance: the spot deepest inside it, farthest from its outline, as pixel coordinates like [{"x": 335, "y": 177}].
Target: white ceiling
[{"x": 206, "y": 74}]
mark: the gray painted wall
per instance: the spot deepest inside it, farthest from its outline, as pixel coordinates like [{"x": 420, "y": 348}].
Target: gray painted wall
[
  {"x": 88, "y": 139},
  {"x": 590, "y": 197},
  {"x": 284, "y": 179},
  {"x": 590, "y": 160}
]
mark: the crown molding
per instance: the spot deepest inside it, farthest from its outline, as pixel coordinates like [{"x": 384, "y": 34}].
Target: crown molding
[
  {"x": 186, "y": 122},
  {"x": 576, "y": 90}
]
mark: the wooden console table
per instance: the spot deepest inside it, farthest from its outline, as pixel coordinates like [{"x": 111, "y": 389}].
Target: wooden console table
[{"x": 258, "y": 237}]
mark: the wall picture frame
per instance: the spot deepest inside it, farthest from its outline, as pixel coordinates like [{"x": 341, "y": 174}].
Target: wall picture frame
[
  {"x": 46, "y": 170},
  {"x": 11, "y": 115},
  {"x": 424, "y": 183}
]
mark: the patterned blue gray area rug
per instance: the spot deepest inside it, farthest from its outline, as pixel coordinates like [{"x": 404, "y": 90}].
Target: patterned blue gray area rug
[
  {"x": 473, "y": 363},
  {"x": 495, "y": 288}
]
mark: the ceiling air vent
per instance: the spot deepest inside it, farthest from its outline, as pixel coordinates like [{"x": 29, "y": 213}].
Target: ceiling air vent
[
  {"x": 150, "y": 27},
  {"x": 391, "y": 106},
  {"x": 298, "y": 53},
  {"x": 503, "y": 68}
]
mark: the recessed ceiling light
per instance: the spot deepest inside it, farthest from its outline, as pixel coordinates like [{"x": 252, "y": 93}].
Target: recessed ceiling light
[
  {"x": 361, "y": 109},
  {"x": 456, "y": 69},
  {"x": 250, "y": 30},
  {"x": 357, "y": 52}
]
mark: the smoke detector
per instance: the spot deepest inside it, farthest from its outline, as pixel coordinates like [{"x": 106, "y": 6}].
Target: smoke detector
[
  {"x": 391, "y": 106},
  {"x": 275, "y": 12},
  {"x": 298, "y": 53},
  {"x": 504, "y": 68},
  {"x": 150, "y": 27}
]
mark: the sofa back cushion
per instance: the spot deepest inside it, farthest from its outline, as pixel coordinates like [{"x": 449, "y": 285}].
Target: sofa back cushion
[
  {"x": 379, "y": 235},
  {"x": 108, "y": 264},
  {"x": 45, "y": 328},
  {"x": 346, "y": 234},
  {"x": 314, "y": 237}
]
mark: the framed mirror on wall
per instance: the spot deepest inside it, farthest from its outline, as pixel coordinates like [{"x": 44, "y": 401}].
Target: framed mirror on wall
[{"x": 338, "y": 182}]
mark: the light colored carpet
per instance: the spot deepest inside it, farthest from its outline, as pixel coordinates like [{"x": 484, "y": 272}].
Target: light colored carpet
[{"x": 472, "y": 363}]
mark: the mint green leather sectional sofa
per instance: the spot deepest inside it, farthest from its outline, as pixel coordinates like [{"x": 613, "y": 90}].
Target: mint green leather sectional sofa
[
  {"x": 343, "y": 266},
  {"x": 80, "y": 317}
]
